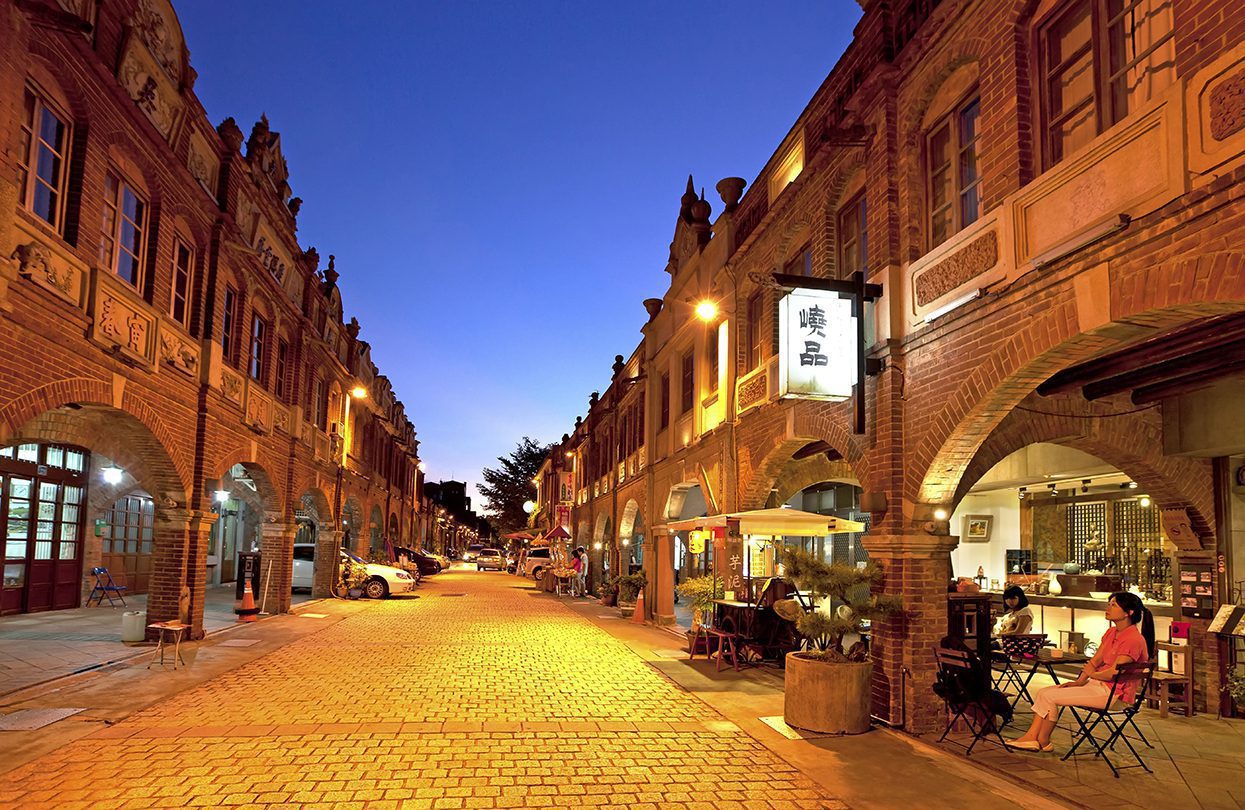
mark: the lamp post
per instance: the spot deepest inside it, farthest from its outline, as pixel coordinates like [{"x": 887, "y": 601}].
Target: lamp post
[{"x": 357, "y": 392}]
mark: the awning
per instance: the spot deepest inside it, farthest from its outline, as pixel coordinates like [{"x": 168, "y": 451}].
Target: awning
[
  {"x": 557, "y": 533},
  {"x": 519, "y": 536},
  {"x": 772, "y": 522}
]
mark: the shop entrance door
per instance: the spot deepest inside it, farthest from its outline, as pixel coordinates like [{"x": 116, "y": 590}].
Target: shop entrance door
[{"x": 41, "y": 500}]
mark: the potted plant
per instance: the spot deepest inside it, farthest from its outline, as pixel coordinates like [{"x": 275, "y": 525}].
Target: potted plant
[
  {"x": 353, "y": 576},
  {"x": 629, "y": 587},
  {"x": 1235, "y": 687},
  {"x": 701, "y": 591},
  {"x": 827, "y": 687}
]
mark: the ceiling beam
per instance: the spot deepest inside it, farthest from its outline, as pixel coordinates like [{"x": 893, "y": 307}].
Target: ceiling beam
[
  {"x": 1207, "y": 363},
  {"x": 1183, "y": 385}
]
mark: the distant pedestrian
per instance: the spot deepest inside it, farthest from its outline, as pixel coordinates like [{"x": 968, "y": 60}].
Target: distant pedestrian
[
  {"x": 583, "y": 571},
  {"x": 577, "y": 565}
]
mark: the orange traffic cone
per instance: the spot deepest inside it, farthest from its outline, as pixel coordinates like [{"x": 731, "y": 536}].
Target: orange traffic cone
[
  {"x": 638, "y": 616},
  {"x": 246, "y": 610}
]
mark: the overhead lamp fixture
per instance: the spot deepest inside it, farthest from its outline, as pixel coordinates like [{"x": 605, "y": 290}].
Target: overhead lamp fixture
[
  {"x": 626, "y": 542},
  {"x": 570, "y": 454},
  {"x": 529, "y": 507},
  {"x": 597, "y": 545},
  {"x": 940, "y": 514},
  {"x": 221, "y": 495},
  {"x": 1054, "y": 490},
  {"x": 1022, "y": 493},
  {"x": 1132, "y": 484},
  {"x": 1144, "y": 501},
  {"x": 112, "y": 475},
  {"x": 358, "y": 392},
  {"x": 956, "y": 304},
  {"x": 707, "y": 310}
]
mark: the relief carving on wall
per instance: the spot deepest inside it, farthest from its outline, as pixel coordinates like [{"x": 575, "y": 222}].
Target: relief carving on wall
[
  {"x": 753, "y": 391},
  {"x": 203, "y": 166},
  {"x": 1227, "y": 107},
  {"x": 107, "y": 319},
  {"x": 153, "y": 95},
  {"x": 157, "y": 34},
  {"x": 178, "y": 353},
  {"x": 281, "y": 419},
  {"x": 35, "y": 262},
  {"x": 231, "y": 386},
  {"x": 257, "y": 411},
  {"x": 960, "y": 267}
]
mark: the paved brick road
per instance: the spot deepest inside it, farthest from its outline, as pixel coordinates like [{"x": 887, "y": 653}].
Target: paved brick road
[{"x": 498, "y": 697}]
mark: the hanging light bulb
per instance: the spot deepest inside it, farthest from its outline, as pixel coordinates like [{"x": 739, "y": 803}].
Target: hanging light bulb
[
  {"x": 1144, "y": 501},
  {"x": 112, "y": 475}
]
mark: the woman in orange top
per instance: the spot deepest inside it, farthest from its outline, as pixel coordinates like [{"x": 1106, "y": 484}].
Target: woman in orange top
[{"x": 1130, "y": 639}]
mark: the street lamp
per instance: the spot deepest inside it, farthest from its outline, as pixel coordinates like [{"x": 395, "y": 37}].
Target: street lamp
[
  {"x": 529, "y": 507},
  {"x": 707, "y": 310},
  {"x": 112, "y": 475}
]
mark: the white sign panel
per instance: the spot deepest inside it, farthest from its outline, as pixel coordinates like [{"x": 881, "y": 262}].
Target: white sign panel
[{"x": 817, "y": 345}]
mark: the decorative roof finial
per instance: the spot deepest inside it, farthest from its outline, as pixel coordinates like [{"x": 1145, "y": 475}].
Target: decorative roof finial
[{"x": 330, "y": 273}]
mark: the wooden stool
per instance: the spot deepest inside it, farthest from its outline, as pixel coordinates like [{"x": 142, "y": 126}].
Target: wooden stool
[
  {"x": 168, "y": 630},
  {"x": 699, "y": 634},
  {"x": 1167, "y": 677}
]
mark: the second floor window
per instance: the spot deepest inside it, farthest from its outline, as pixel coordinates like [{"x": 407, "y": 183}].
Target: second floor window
[
  {"x": 711, "y": 354},
  {"x": 281, "y": 381},
  {"x": 320, "y": 405},
  {"x": 687, "y": 385},
  {"x": 259, "y": 349},
  {"x": 755, "y": 304},
  {"x": 229, "y": 326},
  {"x": 853, "y": 241},
  {"x": 183, "y": 268},
  {"x": 1099, "y": 61},
  {"x": 954, "y": 184},
  {"x": 801, "y": 264},
  {"x": 123, "y": 230},
  {"x": 42, "y": 166},
  {"x": 665, "y": 401}
]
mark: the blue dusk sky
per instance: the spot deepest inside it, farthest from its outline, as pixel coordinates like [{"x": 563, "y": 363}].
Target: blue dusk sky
[{"x": 499, "y": 180}]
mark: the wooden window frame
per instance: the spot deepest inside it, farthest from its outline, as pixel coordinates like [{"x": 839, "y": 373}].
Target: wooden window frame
[
  {"x": 712, "y": 355},
  {"x": 229, "y": 314},
  {"x": 687, "y": 382},
  {"x": 257, "y": 365},
  {"x": 755, "y": 344},
  {"x": 28, "y": 162},
  {"x": 182, "y": 295},
  {"x": 281, "y": 369},
  {"x": 952, "y": 121},
  {"x": 1105, "y": 116},
  {"x": 110, "y": 240},
  {"x": 664, "y": 397},
  {"x": 857, "y": 205}
]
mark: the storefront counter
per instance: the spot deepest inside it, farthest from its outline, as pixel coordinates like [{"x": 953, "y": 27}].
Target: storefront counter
[{"x": 1082, "y": 614}]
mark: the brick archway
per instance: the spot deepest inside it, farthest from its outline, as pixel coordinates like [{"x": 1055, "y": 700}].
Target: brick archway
[
  {"x": 1130, "y": 442},
  {"x": 1159, "y": 297},
  {"x": 266, "y": 497},
  {"x": 802, "y": 474},
  {"x": 626, "y": 523}
]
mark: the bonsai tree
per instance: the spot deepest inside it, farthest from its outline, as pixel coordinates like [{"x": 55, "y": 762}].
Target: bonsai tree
[
  {"x": 701, "y": 591},
  {"x": 629, "y": 586},
  {"x": 845, "y": 585}
]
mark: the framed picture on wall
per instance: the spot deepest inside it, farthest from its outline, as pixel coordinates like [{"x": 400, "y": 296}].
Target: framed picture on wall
[{"x": 977, "y": 528}]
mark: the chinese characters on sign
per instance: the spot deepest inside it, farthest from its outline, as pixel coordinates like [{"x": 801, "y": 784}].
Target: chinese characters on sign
[
  {"x": 817, "y": 345},
  {"x": 734, "y": 579},
  {"x": 696, "y": 542}
]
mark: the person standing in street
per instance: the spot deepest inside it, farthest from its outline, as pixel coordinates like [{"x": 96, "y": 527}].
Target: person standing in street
[{"x": 577, "y": 565}]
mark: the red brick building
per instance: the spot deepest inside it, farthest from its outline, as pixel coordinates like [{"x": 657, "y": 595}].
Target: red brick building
[
  {"x": 161, "y": 325},
  {"x": 1049, "y": 194}
]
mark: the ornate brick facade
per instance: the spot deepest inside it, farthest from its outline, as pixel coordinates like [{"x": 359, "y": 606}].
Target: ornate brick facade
[
  {"x": 196, "y": 345},
  {"x": 1047, "y": 275}
]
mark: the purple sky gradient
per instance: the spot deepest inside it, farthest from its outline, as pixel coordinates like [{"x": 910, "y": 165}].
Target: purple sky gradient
[{"x": 499, "y": 181}]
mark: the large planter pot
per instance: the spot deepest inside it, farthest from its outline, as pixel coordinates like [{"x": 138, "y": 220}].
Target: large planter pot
[
  {"x": 627, "y": 610},
  {"x": 827, "y": 697}
]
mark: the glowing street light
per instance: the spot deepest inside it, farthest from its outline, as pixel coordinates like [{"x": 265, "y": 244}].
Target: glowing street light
[
  {"x": 221, "y": 495},
  {"x": 112, "y": 475},
  {"x": 707, "y": 310},
  {"x": 358, "y": 392},
  {"x": 529, "y": 507}
]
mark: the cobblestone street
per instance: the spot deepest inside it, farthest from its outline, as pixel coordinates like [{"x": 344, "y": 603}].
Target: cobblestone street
[{"x": 481, "y": 693}]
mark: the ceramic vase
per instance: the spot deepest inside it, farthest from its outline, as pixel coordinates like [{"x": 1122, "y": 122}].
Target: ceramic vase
[{"x": 1055, "y": 588}]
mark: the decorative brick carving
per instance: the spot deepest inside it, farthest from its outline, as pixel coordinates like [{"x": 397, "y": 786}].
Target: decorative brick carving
[
  {"x": 1227, "y": 107},
  {"x": 178, "y": 352},
  {"x": 753, "y": 391},
  {"x": 231, "y": 386},
  {"x": 971, "y": 261}
]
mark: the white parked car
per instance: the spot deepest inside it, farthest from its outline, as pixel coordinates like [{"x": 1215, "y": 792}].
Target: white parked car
[
  {"x": 538, "y": 561},
  {"x": 382, "y": 581},
  {"x": 490, "y": 558},
  {"x": 472, "y": 552}
]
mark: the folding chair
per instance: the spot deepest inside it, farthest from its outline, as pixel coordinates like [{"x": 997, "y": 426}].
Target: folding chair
[
  {"x": 1017, "y": 650},
  {"x": 967, "y": 693},
  {"x": 1116, "y": 720},
  {"x": 104, "y": 586}
]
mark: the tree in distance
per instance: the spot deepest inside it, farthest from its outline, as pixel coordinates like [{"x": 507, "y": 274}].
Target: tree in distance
[{"x": 507, "y": 487}]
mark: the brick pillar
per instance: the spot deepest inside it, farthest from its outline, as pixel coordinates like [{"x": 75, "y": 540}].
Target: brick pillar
[
  {"x": 661, "y": 577},
  {"x": 328, "y": 562},
  {"x": 276, "y": 550},
  {"x": 917, "y": 567},
  {"x": 179, "y": 567},
  {"x": 1208, "y": 668}
]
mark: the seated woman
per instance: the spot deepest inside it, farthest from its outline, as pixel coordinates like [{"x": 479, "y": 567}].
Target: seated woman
[
  {"x": 1130, "y": 639},
  {"x": 1018, "y": 620}
]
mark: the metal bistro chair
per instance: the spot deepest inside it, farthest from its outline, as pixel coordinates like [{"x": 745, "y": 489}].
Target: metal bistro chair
[
  {"x": 1114, "y": 719},
  {"x": 1016, "y": 651},
  {"x": 966, "y": 690},
  {"x": 105, "y": 587}
]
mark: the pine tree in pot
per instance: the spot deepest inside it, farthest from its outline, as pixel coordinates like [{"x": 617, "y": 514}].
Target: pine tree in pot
[{"x": 827, "y": 687}]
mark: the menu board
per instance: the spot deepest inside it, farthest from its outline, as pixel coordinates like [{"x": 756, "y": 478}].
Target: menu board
[
  {"x": 734, "y": 584},
  {"x": 1229, "y": 621},
  {"x": 1196, "y": 590}
]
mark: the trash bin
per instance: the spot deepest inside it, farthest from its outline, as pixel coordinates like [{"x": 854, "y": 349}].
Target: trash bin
[{"x": 133, "y": 625}]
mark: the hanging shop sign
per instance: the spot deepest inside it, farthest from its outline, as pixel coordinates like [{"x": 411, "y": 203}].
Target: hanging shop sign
[
  {"x": 696, "y": 542},
  {"x": 817, "y": 345}
]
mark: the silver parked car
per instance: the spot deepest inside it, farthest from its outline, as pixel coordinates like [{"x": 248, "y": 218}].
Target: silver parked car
[{"x": 490, "y": 558}]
